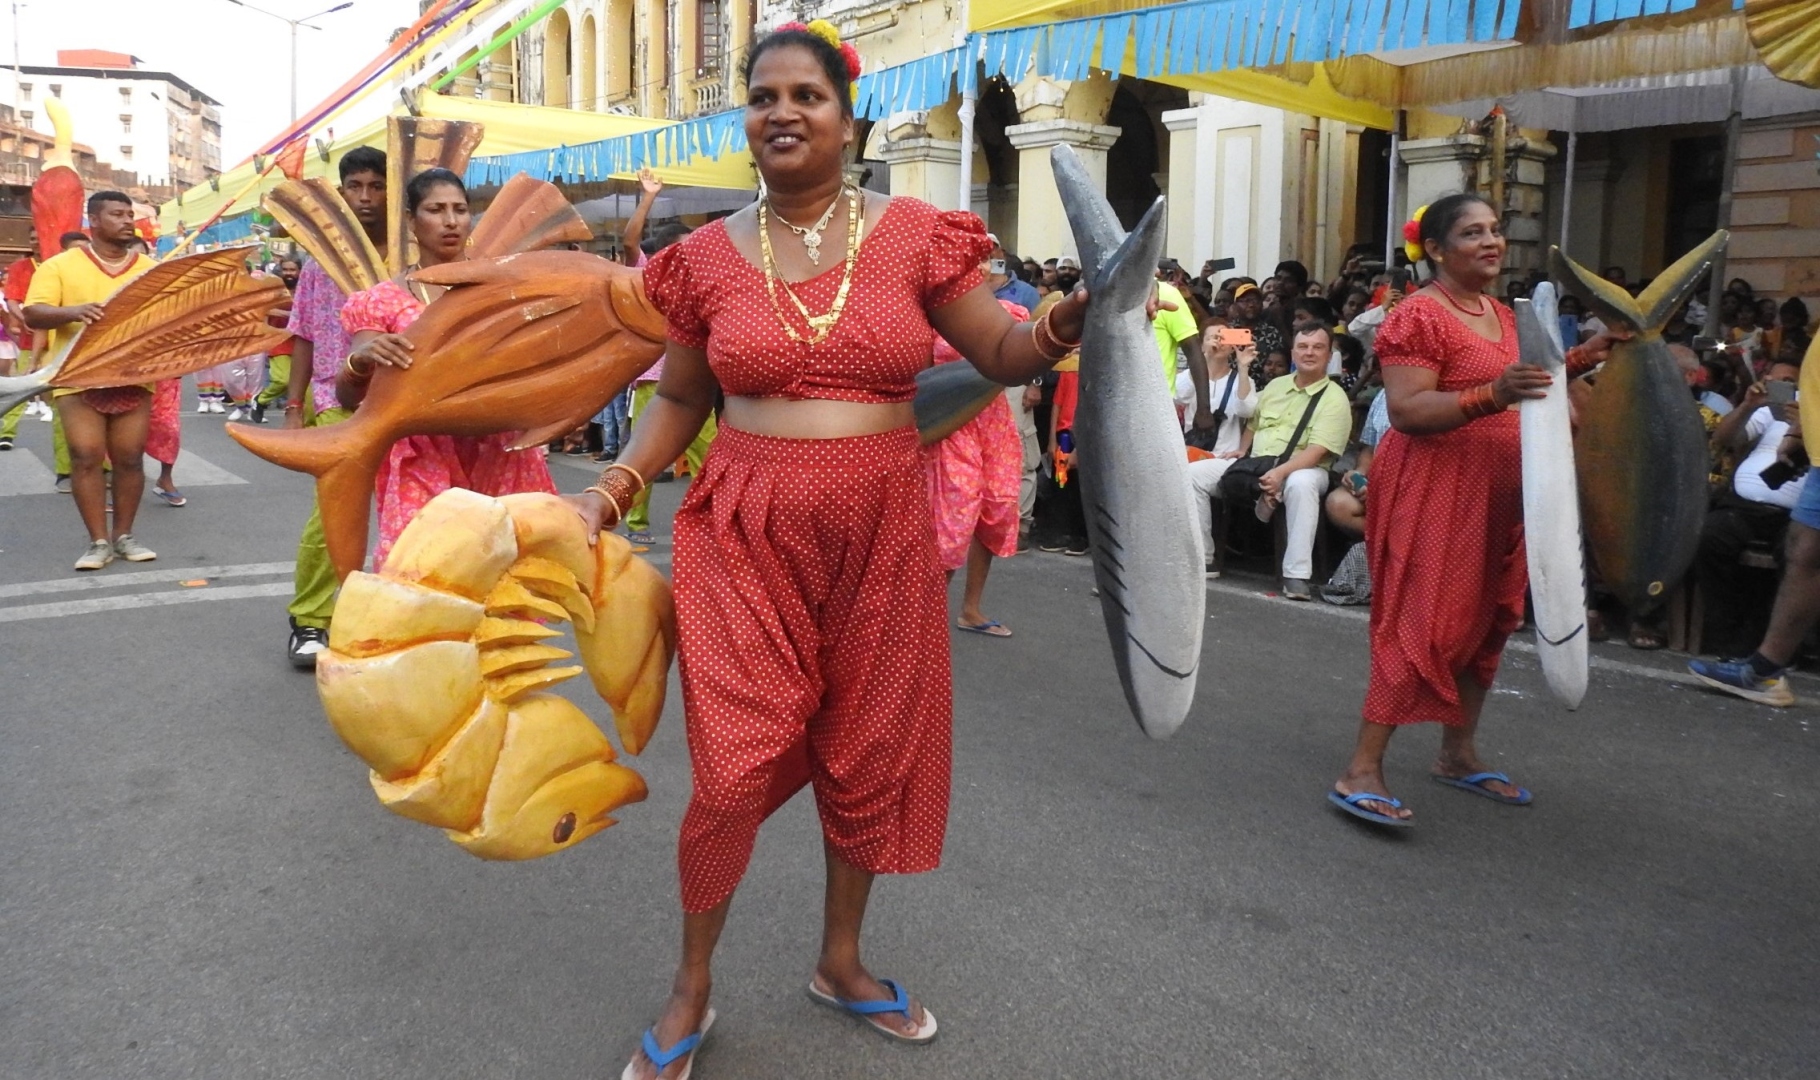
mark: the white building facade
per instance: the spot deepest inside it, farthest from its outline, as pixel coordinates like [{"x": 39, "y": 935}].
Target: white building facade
[{"x": 149, "y": 122}]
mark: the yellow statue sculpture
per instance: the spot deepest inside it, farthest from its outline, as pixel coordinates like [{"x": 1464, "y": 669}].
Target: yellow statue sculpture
[{"x": 436, "y": 669}]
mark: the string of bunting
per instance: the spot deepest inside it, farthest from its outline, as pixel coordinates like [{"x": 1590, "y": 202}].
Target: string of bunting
[{"x": 1194, "y": 37}]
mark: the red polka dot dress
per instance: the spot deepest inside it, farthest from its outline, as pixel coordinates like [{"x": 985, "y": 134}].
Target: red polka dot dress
[
  {"x": 1443, "y": 528},
  {"x": 811, "y": 611}
]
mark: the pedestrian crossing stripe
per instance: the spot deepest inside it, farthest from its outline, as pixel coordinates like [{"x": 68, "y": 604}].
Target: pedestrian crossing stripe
[{"x": 23, "y": 472}]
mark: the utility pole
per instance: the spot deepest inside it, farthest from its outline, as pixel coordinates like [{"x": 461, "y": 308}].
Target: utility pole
[{"x": 294, "y": 24}]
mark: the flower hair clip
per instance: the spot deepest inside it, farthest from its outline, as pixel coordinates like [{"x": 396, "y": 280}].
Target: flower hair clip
[{"x": 1412, "y": 235}]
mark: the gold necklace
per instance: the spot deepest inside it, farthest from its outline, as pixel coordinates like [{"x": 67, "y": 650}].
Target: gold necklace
[
  {"x": 113, "y": 268},
  {"x": 811, "y": 235},
  {"x": 820, "y": 326}
]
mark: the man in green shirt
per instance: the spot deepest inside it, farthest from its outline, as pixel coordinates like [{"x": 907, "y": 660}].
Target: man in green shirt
[
  {"x": 1175, "y": 329},
  {"x": 1298, "y": 482}
]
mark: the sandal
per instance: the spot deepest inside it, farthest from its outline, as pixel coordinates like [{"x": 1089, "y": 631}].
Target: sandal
[
  {"x": 1475, "y": 783},
  {"x": 991, "y": 628},
  {"x": 171, "y": 497},
  {"x": 866, "y": 1010},
  {"x": 1643, "y": 637},
  {"x": 658, "y": 1056}
]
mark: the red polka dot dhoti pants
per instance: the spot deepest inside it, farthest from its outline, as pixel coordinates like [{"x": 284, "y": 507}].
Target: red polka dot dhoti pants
[{"x": 813, "y": 633}]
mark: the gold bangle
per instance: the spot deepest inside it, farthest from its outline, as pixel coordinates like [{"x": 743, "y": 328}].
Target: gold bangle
[
  {"x": 1049, "y": 328},
  {"x": 628, "y": 470},
  {"x": 1044, "y": 341},
  {"x": 356, "y": 372}
]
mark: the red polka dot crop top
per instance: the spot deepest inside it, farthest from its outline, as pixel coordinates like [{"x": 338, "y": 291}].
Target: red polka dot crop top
[{"x": 915, "y": 259}]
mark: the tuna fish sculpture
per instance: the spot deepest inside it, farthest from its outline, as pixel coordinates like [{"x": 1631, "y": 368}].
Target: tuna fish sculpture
[
  {"x": 1147, "y": 548},
  {"x": 1640, "y": 448}
]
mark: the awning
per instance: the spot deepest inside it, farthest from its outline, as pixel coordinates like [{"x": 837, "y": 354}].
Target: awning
[{"x": 511, "y": 129}]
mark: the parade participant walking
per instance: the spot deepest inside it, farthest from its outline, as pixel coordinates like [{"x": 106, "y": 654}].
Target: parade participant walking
[
  {"x": 319, "y": 348},
  {"x": 103, "y": 425},
  {"x": 164, "y": 440},
  {"x": 975, "y": 476},
  {"x": 810, "y": 606},
  {"x": 421, "y": 467},
  {"x": 1444, "y": 537},
  {"x": 278, "y": 361}
]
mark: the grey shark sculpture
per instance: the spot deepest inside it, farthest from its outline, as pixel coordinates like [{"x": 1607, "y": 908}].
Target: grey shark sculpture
[{"x": 1148, "y": 553}]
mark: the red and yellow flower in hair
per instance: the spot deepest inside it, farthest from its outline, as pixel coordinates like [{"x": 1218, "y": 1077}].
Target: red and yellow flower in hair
[
  {"x": 1412, "y": 235},
  {"x": 830, "y": 33}
]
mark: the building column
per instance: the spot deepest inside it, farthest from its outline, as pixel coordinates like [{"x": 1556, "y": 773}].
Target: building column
[
  {"x": 1042, "y": 223},
  {"x": 1184, "y": 151},
  {"x": 925, "y": 168}
]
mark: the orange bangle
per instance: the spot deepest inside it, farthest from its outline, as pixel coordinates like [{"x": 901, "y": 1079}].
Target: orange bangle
[{"x": 1481, "y": 400}]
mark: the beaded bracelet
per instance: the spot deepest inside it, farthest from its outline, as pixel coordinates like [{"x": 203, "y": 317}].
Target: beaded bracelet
[{"x": 637, "y": 477}]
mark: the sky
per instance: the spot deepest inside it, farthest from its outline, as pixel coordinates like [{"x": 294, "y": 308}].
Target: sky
[{"x": 237, "y": 56}]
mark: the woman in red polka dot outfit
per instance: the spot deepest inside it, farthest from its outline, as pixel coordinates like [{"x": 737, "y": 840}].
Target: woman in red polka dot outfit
[
  {"x": 1444, "y": 528},
  {"x": 811, "y": 609}
]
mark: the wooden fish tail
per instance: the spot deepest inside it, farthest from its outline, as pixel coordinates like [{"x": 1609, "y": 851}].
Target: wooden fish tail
[
  {"x": 526, "y": 215},
  {"x": 1650, "y": 310},
  {"x": 345, "y": 463}
]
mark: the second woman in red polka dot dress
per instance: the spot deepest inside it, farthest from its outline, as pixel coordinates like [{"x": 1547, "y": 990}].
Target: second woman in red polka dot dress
[
  {"x": 1444, "y": 528},
  {"x": 811, "y": 610}
]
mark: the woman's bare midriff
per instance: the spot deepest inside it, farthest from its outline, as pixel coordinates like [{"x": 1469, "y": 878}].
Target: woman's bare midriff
[{"x": 814, "y": 418}]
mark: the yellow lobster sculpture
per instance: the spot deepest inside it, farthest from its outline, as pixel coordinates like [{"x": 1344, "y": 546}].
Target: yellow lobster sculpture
[{"x": 436, "y": 667}]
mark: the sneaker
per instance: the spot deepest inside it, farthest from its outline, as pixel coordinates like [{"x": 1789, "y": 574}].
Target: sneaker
[
  {"x": 238, "y": 413},
  {"x": 217, "y": 406},
  {"x": 606, "y": 456},
  {"x": 1076, "y": 546},
  {"x": 1023, "y": 542},
  {"x": 63, "y": 485},
  {"x": 6, "y": 442},
  {"x": 132, "y": 550},
  {"x": 258, "y": 416},
  {"x": 98, "y": 555},
  {"x": 306, "y": 643},
  {"x": 1052, "y": 546},
  {"x": 1212, "y": 572},
  {"x": 1296, "y": 588},
  {"x": 202, "y": 406},
  {"x": 1738, "y": 677},
  {"x": 46, "y": 414},
  {"x": 642, "y": 536}
]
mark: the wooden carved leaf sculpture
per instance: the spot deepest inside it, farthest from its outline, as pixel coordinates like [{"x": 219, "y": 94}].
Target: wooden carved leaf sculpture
[
  {"x": 413, "y": 144},
  {"x": 1787, "y": 36},
  {"x": 526, "y": 215},
  {"x": 181, "y": 316},
  {"x": 320, "y": 220}
]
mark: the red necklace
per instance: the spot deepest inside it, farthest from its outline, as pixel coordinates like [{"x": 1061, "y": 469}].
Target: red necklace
[{"x": 1483, "y": 307}]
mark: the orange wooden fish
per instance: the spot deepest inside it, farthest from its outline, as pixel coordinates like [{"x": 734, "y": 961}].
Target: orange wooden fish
[{"x": 536, "y": 342}]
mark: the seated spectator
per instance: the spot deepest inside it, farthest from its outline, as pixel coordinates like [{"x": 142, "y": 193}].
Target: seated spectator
[
  {"x": 1302, "y": 424},
  {"x": 1346, "y": 503},
  {"x": 1357, "y": 300},
  {"x": 1568, "y": 310},
  {"x": 1234, "y": 402},
  {"x": 1246, "y": 312},
  {"x": 1788, "y": 338},
  {"x": 1348, "y": 364},
  {"x": 1754, "y": 509}
]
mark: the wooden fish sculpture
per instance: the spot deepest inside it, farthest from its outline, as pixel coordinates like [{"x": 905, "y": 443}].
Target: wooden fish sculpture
[
  {"x": 183, "y": 315},
  {"x": 536, "y": 342},
  {"x": 1641, "y": 449}
]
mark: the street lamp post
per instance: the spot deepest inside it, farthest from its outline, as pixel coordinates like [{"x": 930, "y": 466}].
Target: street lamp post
[{"x": 294, "y": 24}]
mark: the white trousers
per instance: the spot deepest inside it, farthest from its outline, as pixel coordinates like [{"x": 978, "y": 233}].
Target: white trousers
[
  {"x": 1302, "y": 496},
  {"x": 1303, "y": 493},
  {"x": 1033, "y": 456}
]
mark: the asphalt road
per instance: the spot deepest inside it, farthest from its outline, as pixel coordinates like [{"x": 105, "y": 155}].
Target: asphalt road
[{"x": 196, "y": 881}]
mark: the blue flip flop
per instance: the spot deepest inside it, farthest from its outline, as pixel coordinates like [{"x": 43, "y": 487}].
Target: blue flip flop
[
  {"x": 866, "y": 1010},
  {"x": 1474, "y": 784},
  {"x": 658, "y": 1056},
  {"x": 990, "y": 628},
  {"x": 1351, "y": 804}
]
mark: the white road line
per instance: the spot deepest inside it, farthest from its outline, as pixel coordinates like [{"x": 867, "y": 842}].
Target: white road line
[
  {"x": 105, "y": 580},
  {"x": 139, "y": 600},
  {"x": 23, "y": 472},
  {"x": 1515, "y": 644}
]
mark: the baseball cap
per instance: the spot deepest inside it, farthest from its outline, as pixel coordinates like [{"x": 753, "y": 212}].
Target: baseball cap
[
  {"x": 1247, "y": 287},
  {"x": 1067, "y": 262}
]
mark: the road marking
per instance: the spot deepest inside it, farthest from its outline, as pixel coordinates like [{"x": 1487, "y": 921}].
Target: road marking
[
  {"x": 139, "y": 600},
  {"x": 23, "y": 472},
  {"x": 104, "y": 580},
  {"x": 1515, "y": 644}
]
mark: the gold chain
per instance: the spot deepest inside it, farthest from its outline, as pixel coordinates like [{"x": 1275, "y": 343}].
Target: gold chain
[
  {"x": 811, "y": 235},
  {"x": 820, "y": 326}
]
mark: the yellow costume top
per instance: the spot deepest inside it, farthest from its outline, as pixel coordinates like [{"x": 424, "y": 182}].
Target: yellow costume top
[{"x": 71, "y": 278}]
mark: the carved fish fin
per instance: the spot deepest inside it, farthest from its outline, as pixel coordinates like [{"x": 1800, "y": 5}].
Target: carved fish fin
[
  {"x": 322, "y": 223},
  {"x": 1671, "y": 286},
  {"x": 526, "y": 215},
  {"x": 1535, "y": 345},
  {"x": 345, "y": 461},
  {"x": 948, "y": 396},
  {"x": 14, "y": 389},
  {"x": 1117, "y": 282},
  {"x": 1613, "y": 305},
  {"x": 181, "y": 316},
  {"x": 1090, "y": 217}
]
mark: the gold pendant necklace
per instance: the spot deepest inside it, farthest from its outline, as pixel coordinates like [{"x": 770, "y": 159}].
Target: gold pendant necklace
[
  {"x": 820, "y": 326},
  {"x": 811, "y": 235}
]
